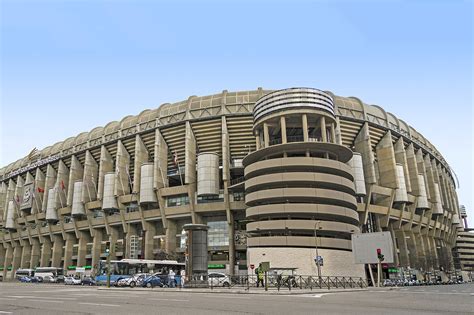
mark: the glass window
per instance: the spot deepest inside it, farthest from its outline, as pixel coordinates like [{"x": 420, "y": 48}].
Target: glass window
[
  {"x": 218, "y": 233},
  {"x": 176, "y": 201}
]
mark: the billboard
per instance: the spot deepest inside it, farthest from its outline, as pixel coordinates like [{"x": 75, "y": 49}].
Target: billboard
[
  {"x": 365, "y": 245},
  {"x": 27, "y": 201}
]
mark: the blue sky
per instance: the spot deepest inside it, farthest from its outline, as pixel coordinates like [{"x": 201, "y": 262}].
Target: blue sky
[{"x": 69, "y": 66}]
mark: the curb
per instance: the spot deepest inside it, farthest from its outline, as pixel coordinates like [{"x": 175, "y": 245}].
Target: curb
[{"x": 271, "y": 292}]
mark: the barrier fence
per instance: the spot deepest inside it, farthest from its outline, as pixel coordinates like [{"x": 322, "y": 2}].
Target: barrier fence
[{"x": 278, "y": 282}]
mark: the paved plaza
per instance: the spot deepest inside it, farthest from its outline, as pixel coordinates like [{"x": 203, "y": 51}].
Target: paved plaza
[{"x": 19, "y": 298}]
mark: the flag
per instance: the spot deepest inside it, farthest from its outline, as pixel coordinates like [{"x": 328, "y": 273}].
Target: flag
[
  {"x": 62, "y": 185},
  {"x": 17, "y": 199},
  {"x": 40, "y": 190}
]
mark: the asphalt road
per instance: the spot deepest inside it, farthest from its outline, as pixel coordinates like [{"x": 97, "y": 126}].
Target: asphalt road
[{"x": 22, "y": 298}]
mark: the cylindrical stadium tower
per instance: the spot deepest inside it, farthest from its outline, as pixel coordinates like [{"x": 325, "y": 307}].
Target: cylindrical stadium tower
[{"x": 299, "y": 189}]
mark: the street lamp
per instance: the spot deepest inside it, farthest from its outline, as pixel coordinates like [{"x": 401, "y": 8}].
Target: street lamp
[{"x": 318, "y": 261}]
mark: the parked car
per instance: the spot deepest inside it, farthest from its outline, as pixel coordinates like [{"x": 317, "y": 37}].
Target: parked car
[
  {"x": 153, "y": 281},
  {"x": 217, "y": 279},
  {"x": 72, "y": 281},
  {"x": 88, "y": 281},
  {"x": 49, "y": 279},
  {"x": 133, "y": 281},
  {"x": 29, "y": 279}
]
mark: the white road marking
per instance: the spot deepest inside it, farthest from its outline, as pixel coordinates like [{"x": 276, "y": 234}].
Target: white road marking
[
  {"x": 173, "y": 300},
  {"x": 98, "y": 304},
  {"x": 3, "y": 312},
  {"x": 47, "y": 301}
]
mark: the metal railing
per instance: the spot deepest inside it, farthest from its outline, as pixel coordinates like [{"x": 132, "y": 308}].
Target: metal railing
[{"x": 278, "y": 282}]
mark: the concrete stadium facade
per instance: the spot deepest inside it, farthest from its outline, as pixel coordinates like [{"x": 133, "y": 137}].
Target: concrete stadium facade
[{"x": 274, "y": 174}]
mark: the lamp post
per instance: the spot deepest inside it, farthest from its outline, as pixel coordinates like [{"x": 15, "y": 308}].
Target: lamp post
[{"x": 317, "y": 254}]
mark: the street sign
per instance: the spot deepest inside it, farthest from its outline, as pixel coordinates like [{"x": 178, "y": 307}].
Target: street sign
[
  {"x": 80, "y": 269},
  {"x": 319, "y": 259},
  {"x": 264, "y": 266}
]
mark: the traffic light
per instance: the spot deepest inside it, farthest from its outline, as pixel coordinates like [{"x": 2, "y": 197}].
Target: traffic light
[
  {"x": 116, "y": 247},
  {"x": 107, "y": 247},
  {"x": 380, "y": 255}
]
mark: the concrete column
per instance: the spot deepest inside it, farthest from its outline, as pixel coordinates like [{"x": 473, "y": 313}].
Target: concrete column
[
  {"x": 257, "y": 140},
  {"x": 363, "y": 146},
  {"x": 266, "y": 136},
  {"x": 149, "y": 233},
  {"x": 25, "y": 255},
  {"x": 395, "y": 247},
  {"x": 84, "y": 238},
  {"x": 96, "y": 247},
  {"x": 283, "y": 129},
  {"x": 323, "y": 129},
  {"x": 113, "y": 237},
  {"x": 131, "y": 231},
  {"x": 304, "y": 123},
  {"x": 386, "y": 162},
  {"x": 106, "y": 165},
  {"x": 57, "y": 251},
  {"x": 333, "y": 133},
  {"x": 122, "y": 166},
  {"x": 8, "y": 259},
  {"x": 141, "y": 156},
  {"x": 68, "y": 249},
  {"x": 16, "y": 261},
  {"x": 403, "y": 247},
  {"x": 35, "y": 253},
  {"x": 45, "y": 252},
  {"x": 171, "y": 231},
  {"x": 414, "y": 258}
]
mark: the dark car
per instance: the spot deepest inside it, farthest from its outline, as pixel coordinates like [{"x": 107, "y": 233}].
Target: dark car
[
  {"x": 152, "y": 281},
  {"x": 88, "y": 281},
  {"x": 29, "y": 279}
]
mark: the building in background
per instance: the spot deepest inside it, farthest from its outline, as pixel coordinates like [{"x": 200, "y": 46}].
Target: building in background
[
  {"x": 273, "y": 174},
  {"x": 463, "y": 253}
]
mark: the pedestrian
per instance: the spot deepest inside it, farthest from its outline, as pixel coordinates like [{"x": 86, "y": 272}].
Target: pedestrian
[
  {"x": 260, "y": 277},
  {"x": 183, "y": 275},
  {"x": 171, "y": 278}
]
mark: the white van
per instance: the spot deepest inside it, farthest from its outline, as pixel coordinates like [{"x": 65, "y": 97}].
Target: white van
[{"x": 19, "y": 273}]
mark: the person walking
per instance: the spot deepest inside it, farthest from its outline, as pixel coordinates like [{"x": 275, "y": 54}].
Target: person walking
[
  {"x": 171, "y": 278},
  {"x": 260, "y": 277}
]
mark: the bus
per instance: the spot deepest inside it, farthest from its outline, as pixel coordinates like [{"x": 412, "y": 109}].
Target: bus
[
  {"x": 50, "y": 271},
  {"x": 19, "y": 273},
  {"x": 125, "y": 268}
]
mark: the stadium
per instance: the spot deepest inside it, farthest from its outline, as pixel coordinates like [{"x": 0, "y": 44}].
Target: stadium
[{"x": 275, "y": 175}]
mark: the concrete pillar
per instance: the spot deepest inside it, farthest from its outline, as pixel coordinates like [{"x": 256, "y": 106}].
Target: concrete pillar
[
  {"x": 333, "y": 133},
  {"x": 403, "y": 247},
  {"x": 141, "y": 156},
  {"x": 16, "y": 261},
  {"x": 113, "y": 237},
  {"x": 149, "y": 233},
  {"x": 122, "y": 170},
  {"x": 266, "y": 136},
  {"x": 323, "y": 129},
  {"x": 84, "y": 238},
  {"x": 45, "y": 252},
  {"x": 68, "y": 249},
  {"x": 8, "y": 259},
  {"x": 96, "y": 247},
  {"x": 106, "y": 165},
  {"x": 35, "y": 253},
  {"x": 57, "y": 251},
  {"x": 283, "y": 129},
  {"x": 25, "y": 255},
  {"x": 160, "y": 162},
  {"x": 190, "y": 157},
  {"x": 171, "y": 231},
  {"x": 363, "y": 146},
  {"x": 386, "y": 162},
  {"x": 304, "y": 121},
  {"x": 131, "y": 231},
  {"x": 414, "y": 258}
]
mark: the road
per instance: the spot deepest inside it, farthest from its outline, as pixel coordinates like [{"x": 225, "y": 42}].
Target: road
[{"x": 22, "y": 298}]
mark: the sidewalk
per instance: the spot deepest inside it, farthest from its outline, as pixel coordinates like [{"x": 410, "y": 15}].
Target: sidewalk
[{"x": 241, "y": 290}]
